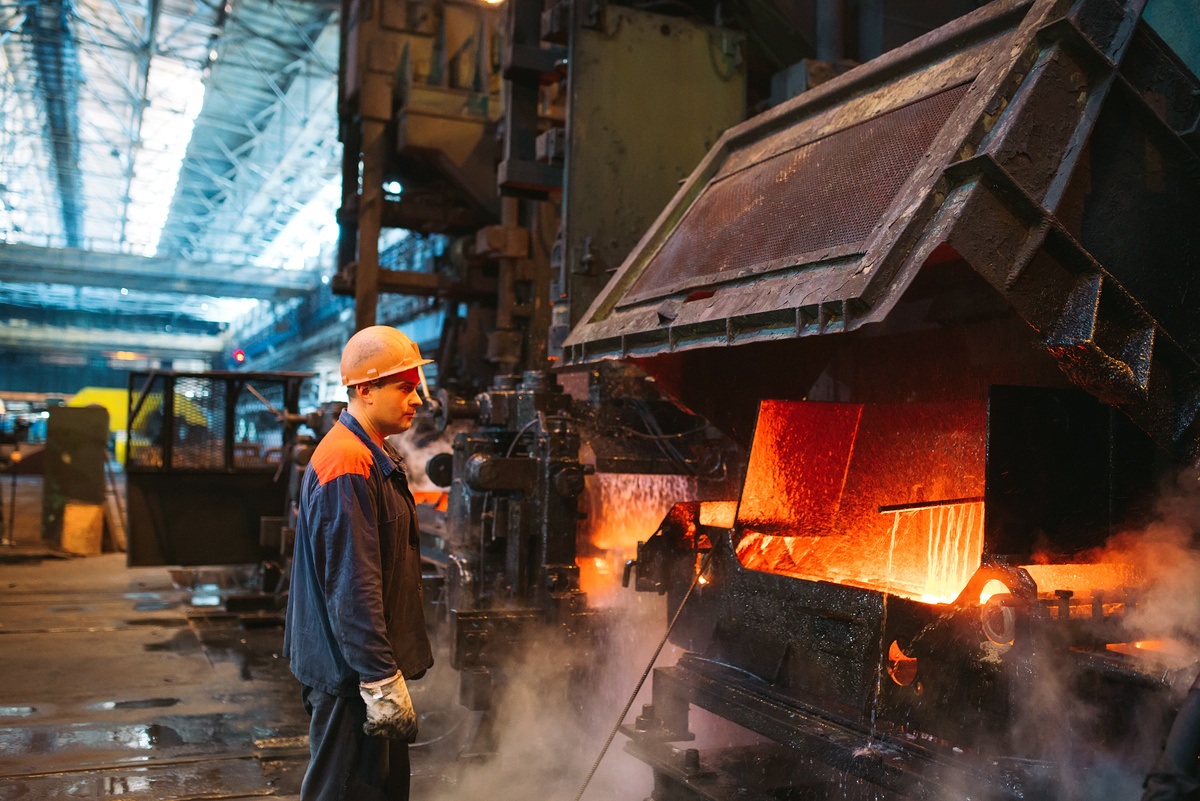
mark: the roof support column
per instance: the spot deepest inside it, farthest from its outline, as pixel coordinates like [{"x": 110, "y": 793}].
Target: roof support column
[{"x": 366, "y": 279}]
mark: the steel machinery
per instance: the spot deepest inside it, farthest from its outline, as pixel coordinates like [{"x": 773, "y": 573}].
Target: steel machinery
[
  {"x": 945, "y": 293},
  {"x": 938, "y": 304},
  {"x": 207, "y": 460},
  {"x": 500, "y": 125}
]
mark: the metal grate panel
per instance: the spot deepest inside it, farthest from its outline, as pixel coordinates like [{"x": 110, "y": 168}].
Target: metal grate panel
[
  {"x": 258, "y": 432},
  {"x": 210, "y": 422},
  {"x": 799, "y": 205},
  {"x": 147, "y": 427},
  {"x": 199, "y": 428}
]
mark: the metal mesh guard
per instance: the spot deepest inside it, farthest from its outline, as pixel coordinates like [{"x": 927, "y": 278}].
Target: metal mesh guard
[
  {"x": 147, "y": 429},
  {"x": 199, "y": 424},
  {"x": 826, "y": 194},
  {"x": 199, "y": 428},
  {"x": 258, "y": 433}
]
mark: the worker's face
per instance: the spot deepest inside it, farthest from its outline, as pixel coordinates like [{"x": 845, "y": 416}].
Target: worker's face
[{"x": 394, "y": 402}]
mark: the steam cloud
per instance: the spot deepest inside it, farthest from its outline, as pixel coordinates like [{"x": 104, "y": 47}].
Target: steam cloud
[
  {"x": 555, "y": 707},
  {"x": 1052, "y": 709}
]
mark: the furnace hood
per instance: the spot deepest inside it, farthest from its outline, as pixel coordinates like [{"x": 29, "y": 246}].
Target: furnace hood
[{"x": 1051, "y": 147}]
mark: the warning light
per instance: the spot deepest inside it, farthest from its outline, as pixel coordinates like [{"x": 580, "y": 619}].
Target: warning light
[{"x": 239, "y": 355}]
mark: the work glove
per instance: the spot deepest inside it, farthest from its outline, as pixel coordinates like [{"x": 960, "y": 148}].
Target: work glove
[{"x": 390, "y": 711}]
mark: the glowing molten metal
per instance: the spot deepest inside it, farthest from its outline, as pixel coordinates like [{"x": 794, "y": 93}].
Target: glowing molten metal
[
  {"x": 819, "y": 474},
  {"x": 623, "y": 509}
]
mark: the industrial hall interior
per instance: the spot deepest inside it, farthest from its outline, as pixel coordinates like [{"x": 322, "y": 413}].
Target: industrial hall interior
[{"x": 600, "y": 400}]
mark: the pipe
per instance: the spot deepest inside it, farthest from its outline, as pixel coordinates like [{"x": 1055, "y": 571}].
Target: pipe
[
  {"x": 870, "y": 29},
  {"x": 829, "y": 30}
]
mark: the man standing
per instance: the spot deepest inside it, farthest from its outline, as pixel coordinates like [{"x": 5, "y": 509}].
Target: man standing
[{"x": 355, "y": 629}]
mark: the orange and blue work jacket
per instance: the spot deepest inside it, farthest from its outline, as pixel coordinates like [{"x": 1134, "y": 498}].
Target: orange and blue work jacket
[{"x": 355, "y": 609}]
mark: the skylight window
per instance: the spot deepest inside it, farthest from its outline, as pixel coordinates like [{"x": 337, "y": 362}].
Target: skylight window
[
  {"x": 176, "y": 94},
  {"x": 310, "y": 228},
  {"x": 29, "y": 212}
]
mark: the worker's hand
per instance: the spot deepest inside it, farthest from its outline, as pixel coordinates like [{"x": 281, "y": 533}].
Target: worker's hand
[{"x": 390, "y": 711}]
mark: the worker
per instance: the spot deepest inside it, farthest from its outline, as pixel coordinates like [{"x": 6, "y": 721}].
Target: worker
[{"x": 355, "y": 630}]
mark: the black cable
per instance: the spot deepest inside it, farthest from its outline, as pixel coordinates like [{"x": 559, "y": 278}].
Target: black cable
[
  {"x": 645, "y": 673},
  {"x": 512, "y": 445}
]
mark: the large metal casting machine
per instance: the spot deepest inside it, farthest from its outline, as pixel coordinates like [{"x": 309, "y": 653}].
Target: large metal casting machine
[{"x": 942, "y": 298}]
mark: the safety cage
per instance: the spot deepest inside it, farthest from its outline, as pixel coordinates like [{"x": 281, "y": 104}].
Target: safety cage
[{"x": 206, "y": 461}]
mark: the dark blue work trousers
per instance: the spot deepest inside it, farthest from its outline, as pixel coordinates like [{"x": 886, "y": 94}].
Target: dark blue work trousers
[{"x": 345, "y": 764}]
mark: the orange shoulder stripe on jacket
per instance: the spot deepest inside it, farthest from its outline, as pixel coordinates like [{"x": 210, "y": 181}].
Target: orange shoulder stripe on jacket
[{"x": 341, "y": 453}]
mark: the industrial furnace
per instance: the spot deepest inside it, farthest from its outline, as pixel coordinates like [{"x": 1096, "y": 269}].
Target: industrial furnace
[{"x": 942, "y": 300}]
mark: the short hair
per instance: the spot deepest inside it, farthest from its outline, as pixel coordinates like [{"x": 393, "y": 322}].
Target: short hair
[{"x": 352, "y": 390}]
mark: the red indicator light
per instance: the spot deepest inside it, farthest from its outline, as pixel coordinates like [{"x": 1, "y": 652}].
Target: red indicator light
[{"x": 239, "y": 355}]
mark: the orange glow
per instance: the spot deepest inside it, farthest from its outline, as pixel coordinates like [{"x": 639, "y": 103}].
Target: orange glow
[
  {"x": 1077, "y": 577},
  {"x": 623, "y": 510},
  {"x": 1081, "y": 578},
  {"x": 901, "y": 667},
  {"x": 439, "y": 500},
  {"x": 1165, "y": 650},
  {"x": 927, "y": 554},
  {"x": 887, "y": 498},
  {"x": 819, "y": 473},
  {"x": 718, "y": 513},
  {"x": 993, "y": 587}
]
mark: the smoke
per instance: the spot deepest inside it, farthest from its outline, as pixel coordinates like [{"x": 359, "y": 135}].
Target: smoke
[
  {"x": 419, "y": 444},
  {"x": 622, "y": 510},
  {"x": 1095, "y": 744},
  {"x": 555, "y": 705},
  {"x": 1165, "y": 553}
]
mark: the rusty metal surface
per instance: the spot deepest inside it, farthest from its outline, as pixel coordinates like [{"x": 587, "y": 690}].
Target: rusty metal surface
[
  {"x": 817, "y": 197},
  {"x": 632, "y": 148},
  {"x": 1066, "y": 177}
]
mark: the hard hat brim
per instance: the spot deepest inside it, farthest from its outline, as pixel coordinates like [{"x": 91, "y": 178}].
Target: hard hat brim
[{"x": 398, "y": 369}]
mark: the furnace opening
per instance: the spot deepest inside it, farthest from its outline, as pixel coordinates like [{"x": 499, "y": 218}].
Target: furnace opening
[{"x": 884, "y": 497}]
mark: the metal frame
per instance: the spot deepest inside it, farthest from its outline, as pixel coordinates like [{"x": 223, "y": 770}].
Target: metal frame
[
  {"x": 81, "y": 82},
  {"x": 205, "y": 514},
  {"x": 1006, "y": 200}
]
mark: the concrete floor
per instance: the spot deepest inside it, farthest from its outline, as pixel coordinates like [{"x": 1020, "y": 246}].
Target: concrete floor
[
  {"x": 115, "y": 682},
  {"x": 135, "y": 683}
]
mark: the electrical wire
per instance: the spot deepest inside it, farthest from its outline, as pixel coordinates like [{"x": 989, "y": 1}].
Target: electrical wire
[
  {"x": 633, "y": 432},
  {"x": 645, "y": 673},
  {"x": 664, "y": 443},
  {"x": 513, "y": 445}
]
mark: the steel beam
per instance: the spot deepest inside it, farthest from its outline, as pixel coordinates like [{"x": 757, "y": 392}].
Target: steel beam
[
  {"x": 44, "y": 338},
  {"x": 145, "y": 56},
  {"x": 48, "y": 27},
  {"x": 29, "y": 264}
]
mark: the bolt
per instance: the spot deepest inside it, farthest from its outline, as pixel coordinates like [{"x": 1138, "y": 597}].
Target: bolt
[{"x": 691, "y": 761}]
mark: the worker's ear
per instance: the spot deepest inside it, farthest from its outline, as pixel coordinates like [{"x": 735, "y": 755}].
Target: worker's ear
[{"x": 366, "y": 392}]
